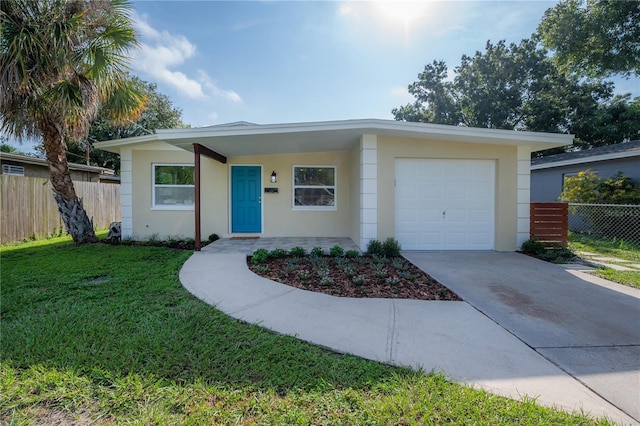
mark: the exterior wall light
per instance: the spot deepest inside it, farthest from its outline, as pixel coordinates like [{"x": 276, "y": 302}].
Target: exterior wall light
[{"x": 274, "y": 177}]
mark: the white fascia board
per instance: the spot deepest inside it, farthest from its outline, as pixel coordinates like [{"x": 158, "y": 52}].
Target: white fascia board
[
  {"x": 376, "y": 126},
  {"x": 115, "y": 144},
  {"x": 593, "y": 159},
  {"x": 536, "y": 140}
]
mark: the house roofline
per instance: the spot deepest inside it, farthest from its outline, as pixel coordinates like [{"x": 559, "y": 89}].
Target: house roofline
[
  {"x": 42, "y": 162},
  {"x": 363, "y": 126},
  {"x": 591, "y": 159}
]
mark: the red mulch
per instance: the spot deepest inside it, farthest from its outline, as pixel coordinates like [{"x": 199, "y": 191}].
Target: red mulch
[{"x": 407, "y": 281}]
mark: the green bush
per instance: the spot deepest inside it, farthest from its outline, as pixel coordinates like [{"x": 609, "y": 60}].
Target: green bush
[
  {"x": 587, "y": 187},
  {"x": 336, "y": 251},
  {"x": 317, "y": 251},
  {"x": 375, "y": 247},
  {"x": 259, "y": 256},
  {"x": 352, "y": 254},
  {"x": 533, "y": 247},
  {"x": 391, "y": 247},
  {"x": 297, "y": 252},
  {"x": 213, "y": 237},
  {"x": 277, "y": 253}
]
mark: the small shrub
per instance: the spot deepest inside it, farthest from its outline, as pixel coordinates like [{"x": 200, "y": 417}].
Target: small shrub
[
  {"x": 304, "y": 275},
  {"x": 277, "y": 253},
  {"x": 336, "y": 251},
  {"x": 326, "y": 281},
  {"x": 317, "y": 251},
  {"x": 382, "y": 273},
  {"x": 391, "y": 247},
  {"x": 380, "y": 259},
  {"x": 213, "y": 237},
  {"x": 374, "y": 247},
  {"x": 291, "y": 266},
  {"x": 399, "y": 264},
  {"x": 298, "y": 252},
  {"x": 393, "y": 281},
  {"x": 351, "y": 254},
  {"x": 533, "y": 247},
  {"x": 359, "y": 280},
  {"x": 349, "y": 271},
  {"x": 262, "y": 269},
  {"x": 259, "y": 256}
]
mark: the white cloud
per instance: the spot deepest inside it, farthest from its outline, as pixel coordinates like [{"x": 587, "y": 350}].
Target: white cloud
[
  {"x": 213, "y": 88},
  {"x": 402, "y": 94},
  {"x": 161, "y": 53}
]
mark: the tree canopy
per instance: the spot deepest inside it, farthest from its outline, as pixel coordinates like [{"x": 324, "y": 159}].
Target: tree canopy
[
  {"x": 518, "y": 87},
  {"x": 527, "y": 87},
  {"x": 595, "y": 38},
  {"x": 61, "y": 62},
  {"x": 159, "y": 113}
]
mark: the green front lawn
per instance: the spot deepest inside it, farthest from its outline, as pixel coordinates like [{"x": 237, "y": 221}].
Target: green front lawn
[
  {"x": 611, "y": 248},
  {"x": 616, "y": 248},
  {"x": 107, "y": 333}
]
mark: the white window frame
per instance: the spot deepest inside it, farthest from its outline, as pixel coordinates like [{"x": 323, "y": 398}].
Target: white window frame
[
  {"x": 334, "y": 207},
  {"x": 154, "y": 186},
  {"x": 12, "y": 169}
]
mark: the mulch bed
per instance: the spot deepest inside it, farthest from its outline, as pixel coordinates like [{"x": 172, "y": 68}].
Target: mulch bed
[{"x": 336, "y": 277}]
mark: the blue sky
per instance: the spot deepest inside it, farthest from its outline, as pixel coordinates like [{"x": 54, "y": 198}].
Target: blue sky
[{"x": 278, "y": 62}]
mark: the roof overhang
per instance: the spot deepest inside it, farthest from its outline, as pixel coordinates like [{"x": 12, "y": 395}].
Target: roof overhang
[
  {"x": 584, "y": 160},
  {"x": 43, "y": 162},
  {"x": 292, "y": 138}
]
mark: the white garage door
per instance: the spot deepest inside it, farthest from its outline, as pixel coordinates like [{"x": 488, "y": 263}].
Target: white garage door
[{"x": 445, "y": 204}]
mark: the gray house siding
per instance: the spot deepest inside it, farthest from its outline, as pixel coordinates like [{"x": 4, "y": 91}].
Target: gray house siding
[{"x": 546, "y": 184}]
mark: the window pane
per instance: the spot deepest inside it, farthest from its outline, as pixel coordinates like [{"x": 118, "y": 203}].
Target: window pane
[
  {"x": 314, "y": 197},
  {"x": 316, "y": 176},
  {"x": 174, "y": 196},
  {"x": 174, "y": 175}
]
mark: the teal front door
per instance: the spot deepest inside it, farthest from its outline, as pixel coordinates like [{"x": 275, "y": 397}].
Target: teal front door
[{"x": 246, "y": 208}]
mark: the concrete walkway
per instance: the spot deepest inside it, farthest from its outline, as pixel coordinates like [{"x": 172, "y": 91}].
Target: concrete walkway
[{"x": 450, "y": 337}]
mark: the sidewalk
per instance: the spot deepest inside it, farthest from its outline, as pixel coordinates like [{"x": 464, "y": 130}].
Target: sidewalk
[
  {"x": 449, "y": 337},
  {"x": 600, "y": 261}
]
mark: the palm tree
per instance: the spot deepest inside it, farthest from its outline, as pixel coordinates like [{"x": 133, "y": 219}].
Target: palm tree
[{"x": 62, "y": 61}]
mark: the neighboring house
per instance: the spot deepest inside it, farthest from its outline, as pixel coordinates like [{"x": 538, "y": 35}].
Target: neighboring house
[
  {"x": 21, "y": 165},
  {"x": 548, "y": 173},
  {"x": 433, "y": 187}
]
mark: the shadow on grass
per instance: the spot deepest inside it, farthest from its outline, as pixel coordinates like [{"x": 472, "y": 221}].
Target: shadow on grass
[{"x": 111, "y": 311}]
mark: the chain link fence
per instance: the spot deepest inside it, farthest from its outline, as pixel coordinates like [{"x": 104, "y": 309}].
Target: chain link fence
[{"x": 612, "y": 221}]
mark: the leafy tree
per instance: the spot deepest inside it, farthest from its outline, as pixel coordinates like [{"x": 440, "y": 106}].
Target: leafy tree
[
  {"x": 595, "y": 38},
  {"x": 517, "y": 87},
  {"x": 588, "y": 187},
  {"x": 159, "y": 113},
  {"x": 9, "y": 149},
  {"x": 61, "y": 62}
]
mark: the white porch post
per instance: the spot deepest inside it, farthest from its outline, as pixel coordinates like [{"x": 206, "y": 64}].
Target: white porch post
[
  {"x": 524, "y": 194},
  {"x": 126, "y": 193},
  {"x": 368, "y": 189}
]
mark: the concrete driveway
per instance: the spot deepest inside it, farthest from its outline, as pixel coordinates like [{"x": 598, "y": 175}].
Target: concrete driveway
[{"x": 588, "y": 327}]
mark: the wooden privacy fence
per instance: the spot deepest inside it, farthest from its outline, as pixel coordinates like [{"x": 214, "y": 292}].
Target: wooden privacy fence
[
  {"x": 549, "y": 222},
  {"x": 29, "y": 209}
]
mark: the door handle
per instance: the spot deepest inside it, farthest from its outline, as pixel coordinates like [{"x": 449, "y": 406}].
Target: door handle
[{"x": 444, "y": 213}]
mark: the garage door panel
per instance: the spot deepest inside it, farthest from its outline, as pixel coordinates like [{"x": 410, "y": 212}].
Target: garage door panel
[
  {"x": 407, "y": 215},
  {"x": 463, "y": 189},
  {"x": 431, "y": 239}
]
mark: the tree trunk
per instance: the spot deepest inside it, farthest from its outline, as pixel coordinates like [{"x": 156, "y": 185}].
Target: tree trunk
[{"x": 70, "y": 207}]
